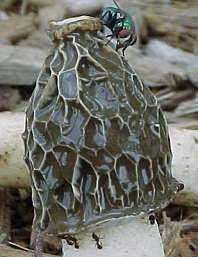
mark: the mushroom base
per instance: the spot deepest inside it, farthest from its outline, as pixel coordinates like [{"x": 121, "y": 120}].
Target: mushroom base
[{"x": 137, "y": 238}]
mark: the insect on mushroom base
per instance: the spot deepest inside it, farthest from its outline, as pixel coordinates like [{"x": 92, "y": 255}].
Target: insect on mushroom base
[
  {"x": 121, "y": 25},
  {"x": 96, "y": 141}
]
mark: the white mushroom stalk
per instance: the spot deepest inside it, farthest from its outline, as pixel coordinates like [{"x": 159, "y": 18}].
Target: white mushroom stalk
[
  {"x": 136, "y": 238},
  {"x": 13, "y": 172}
]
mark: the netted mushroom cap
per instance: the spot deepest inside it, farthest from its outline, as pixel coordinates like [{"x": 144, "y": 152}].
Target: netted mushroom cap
[{"x": 96, "y": 141}]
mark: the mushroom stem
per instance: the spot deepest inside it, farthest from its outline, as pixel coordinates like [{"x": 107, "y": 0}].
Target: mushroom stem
[
  {"x": 136, "y": 238},
  {"x": 13, "y": 172},
  {"x": 38, "y": 249}
]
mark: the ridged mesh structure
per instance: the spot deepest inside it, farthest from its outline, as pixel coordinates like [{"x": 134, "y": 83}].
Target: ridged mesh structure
[{"x": 96, "y": 141}]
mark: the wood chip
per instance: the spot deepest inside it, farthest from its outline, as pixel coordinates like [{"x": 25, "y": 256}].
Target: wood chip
[
  {"x": 6, "y": 251},
  {"x": 20, "y": 65},
  {"x": 17, "y": 27}
]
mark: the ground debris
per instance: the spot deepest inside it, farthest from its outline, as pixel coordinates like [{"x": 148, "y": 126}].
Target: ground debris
[{"x": 180, "y": 238}]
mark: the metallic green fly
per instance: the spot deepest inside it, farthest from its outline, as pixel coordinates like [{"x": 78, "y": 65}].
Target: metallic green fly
[{"x": 121, "y": 25}]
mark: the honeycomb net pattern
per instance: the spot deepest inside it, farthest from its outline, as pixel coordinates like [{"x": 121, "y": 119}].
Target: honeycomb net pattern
[{"x": 96, "y": 141}]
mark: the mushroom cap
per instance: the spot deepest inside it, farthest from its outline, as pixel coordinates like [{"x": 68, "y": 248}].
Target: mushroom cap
[{"x": 96, "y": 141}]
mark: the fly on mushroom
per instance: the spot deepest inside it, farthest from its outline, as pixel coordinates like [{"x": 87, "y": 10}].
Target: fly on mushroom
[{"x": 121, "y": 25}]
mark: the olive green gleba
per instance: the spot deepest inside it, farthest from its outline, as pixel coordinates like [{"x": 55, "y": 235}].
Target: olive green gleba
[{"x": 96, "y": 141}]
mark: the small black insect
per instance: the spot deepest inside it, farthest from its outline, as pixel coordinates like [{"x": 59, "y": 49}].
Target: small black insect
[
  {"x": 121, "y": 25},
  {"x": 180, "y": 187},
  {"x": 72, "y": 240},
  {"x": 152, "y": 219},
  {"x": 97, "y": 239}
]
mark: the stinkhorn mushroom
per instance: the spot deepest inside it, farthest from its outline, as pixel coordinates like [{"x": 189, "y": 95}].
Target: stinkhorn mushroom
[{"x": 96, "y": 146}]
